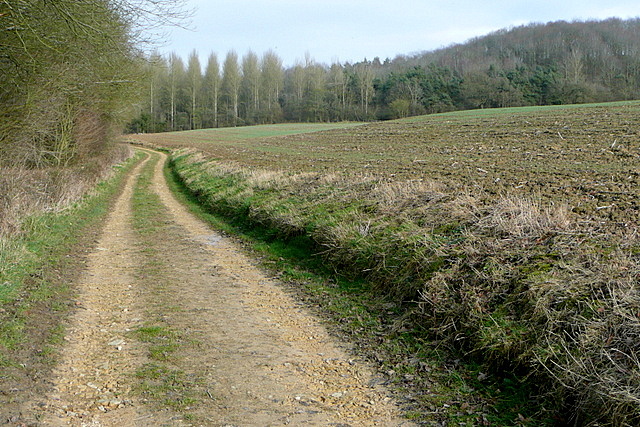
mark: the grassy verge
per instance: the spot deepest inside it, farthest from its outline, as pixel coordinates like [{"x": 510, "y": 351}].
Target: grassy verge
[
  {"x": 522, "y": 291},
  {"x": 30, "y": 264},
  {"x": 36, "y": 268}
]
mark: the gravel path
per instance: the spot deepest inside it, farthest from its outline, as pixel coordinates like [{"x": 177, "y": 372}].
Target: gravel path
[{"x": 262, "y": 358}]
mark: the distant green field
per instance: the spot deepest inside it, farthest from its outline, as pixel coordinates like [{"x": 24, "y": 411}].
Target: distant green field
[
  {"x": 502, "y": 112},
  {"x": 243, "y": 133}
]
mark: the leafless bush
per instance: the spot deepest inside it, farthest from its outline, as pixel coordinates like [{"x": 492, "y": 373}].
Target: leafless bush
[
  {"x": 90, "y": 135},
  {"x": 27, "y": 191}
]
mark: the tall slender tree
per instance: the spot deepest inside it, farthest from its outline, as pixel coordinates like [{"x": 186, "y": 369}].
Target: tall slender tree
[
  {"x": 231, "y": 78},
  {"x": 365, "y": 76},
  {"x": 155, "y": 71},
  {"x": 337, "y": 86},
  {"x": 315, "y": 107},
  {"x": 250, "y": 87},
  {"x": 176, "y": 73},
  {"x": 194, "y": 75},
  {"x": 212, "y": 87},
  {"x": 272, "y": 83}
]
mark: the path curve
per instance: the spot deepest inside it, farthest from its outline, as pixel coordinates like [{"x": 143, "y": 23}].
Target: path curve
[{"x": 263, "y": 359}]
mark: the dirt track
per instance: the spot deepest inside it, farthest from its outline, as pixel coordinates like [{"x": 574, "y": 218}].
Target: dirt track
[{"x": 258, "y": 357}]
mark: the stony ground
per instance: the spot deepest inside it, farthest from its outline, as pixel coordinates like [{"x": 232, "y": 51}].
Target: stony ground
[{"x": 252, "y": 354}]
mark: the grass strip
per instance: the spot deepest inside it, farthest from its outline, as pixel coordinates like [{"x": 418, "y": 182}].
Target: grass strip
[
  {"x": 36, "y": 266},
  {"x": 161, "y": 380}
]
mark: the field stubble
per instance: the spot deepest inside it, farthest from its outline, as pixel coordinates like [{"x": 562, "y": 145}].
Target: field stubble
[{"x": 510, "y": 235}]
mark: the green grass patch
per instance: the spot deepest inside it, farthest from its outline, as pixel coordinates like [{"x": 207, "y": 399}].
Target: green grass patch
[
  {"x": 242, "y": 133},
  {"x": 515, "y": 111},
  {"x": 161, "y": 340},
  {"x": 172, "y": 388},
  {"x": 147, "y": 214},
  {"x": 161, "y": 381}
]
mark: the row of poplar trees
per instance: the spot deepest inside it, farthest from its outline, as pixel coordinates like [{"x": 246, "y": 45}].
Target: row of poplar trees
[{"x": 247, "y": 90}]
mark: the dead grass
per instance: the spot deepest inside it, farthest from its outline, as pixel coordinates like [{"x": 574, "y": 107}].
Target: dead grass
[
  {"x": 397, "y": 195},
  {"x": 522, "y": 217},
  {"x": 26, "y": 191}
]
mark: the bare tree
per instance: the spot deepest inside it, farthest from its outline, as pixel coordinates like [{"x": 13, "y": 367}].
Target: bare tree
[
  {"x": 272, "y": 77},
  {"x": 231, "y": 79},
  {"x": 364, "y": 73},
  {"x": 176, "y": 73},
  {"x": 574, "y": 66},
  {"x": 250, "y": 86},
  {"x": 212, "y": 85},
  {"x": 338, "y": 84},
  {"x": 194, "y": 74}
]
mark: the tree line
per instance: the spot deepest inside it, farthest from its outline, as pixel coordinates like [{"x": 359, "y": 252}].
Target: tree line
[
  {"x": 251, "y": 89},
  {"x": 69, "y": 72},
  {"x": 537, "y": 64}
]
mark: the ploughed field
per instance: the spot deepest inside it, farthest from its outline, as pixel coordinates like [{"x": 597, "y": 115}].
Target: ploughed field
[
  {"x": 508, "y": 236},
  {"x": 585, "y": 156}
]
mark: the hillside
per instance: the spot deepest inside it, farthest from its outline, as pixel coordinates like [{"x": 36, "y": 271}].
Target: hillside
[{"x": 556, "y": 62}]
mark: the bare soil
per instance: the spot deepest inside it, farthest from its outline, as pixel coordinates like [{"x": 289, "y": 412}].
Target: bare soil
[
  {"x": 585, "y": 156},
  {"x": 257, "y": 355}
]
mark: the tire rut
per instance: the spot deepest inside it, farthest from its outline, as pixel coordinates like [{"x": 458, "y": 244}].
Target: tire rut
[
  {"x": 259, "y": 357},
  {"x": 92, "y": 385}
]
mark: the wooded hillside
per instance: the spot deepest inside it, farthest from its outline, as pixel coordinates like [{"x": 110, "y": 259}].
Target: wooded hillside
[
  {"x": 536, "y": 64},
  {"x": 553, "y": 63}
]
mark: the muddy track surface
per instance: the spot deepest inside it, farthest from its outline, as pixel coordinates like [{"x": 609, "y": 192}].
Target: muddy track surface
[{"x": 254, "y": 356}]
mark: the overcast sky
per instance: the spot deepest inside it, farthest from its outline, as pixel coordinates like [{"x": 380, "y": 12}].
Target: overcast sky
[{"x": 351, "y": 30}]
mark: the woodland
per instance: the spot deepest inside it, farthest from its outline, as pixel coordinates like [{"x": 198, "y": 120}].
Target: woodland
[
  {"x": 71, "y": 74},
  {"x": 536, "y": 64}
]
